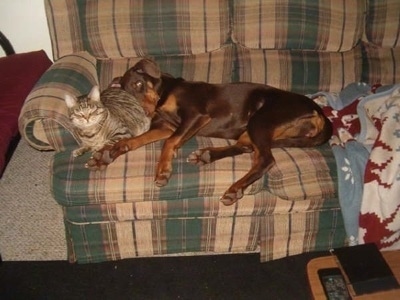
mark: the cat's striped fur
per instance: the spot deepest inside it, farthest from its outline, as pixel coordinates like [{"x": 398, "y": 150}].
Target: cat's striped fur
[{"x": 104, "y": 118}]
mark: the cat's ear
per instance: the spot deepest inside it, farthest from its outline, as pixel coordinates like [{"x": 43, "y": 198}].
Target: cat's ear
[
  {"x": 70, "y": 101},
  {"x": 94, "y": 94}
]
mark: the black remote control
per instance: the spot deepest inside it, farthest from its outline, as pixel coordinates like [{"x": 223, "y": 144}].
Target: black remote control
[{"x": 334, "y": 284}]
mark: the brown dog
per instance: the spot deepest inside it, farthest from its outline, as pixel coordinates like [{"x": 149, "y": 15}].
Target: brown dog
[{"x": 259, "y": 117}]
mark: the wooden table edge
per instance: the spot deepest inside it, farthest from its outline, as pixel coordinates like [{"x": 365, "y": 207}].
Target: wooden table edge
[{"x": 317, "y": 291}]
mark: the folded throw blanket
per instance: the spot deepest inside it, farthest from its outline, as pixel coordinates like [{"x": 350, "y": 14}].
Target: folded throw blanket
[{"x": 380, "y": 216}]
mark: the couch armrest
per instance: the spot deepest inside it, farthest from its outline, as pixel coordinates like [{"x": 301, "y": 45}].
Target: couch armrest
[{"x": 43, "y": 120}]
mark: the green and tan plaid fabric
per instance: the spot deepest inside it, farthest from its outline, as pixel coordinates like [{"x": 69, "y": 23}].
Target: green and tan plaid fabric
[
  {"x": 124, "y": 230},
  {"x": 113, "y": 29},
  {"x": 299, "y": 24},
  {"x": 302, "y": 173},
  {"x": 296, "y": 232},
  {"x": 213, "y": 67},
  {"x": 118, "y": 240},
  {"x": 381, "y": 49},
  {"x": 383, "y": 23},
  {"x": 307, "y": 173},
  {"x": 299, "y": 71},
  {"x": 260, "y": 204},
  {"x": 43, "y": 120},
  {"x": 381, "y": 65},
  {"x": 120, "y": 213}
]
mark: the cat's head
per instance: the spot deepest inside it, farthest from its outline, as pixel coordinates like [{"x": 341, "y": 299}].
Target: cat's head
[{"x": 87, "y": 110}]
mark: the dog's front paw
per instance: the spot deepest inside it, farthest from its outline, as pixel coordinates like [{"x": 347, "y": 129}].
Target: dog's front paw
[
  {"x": 76, "y": 153},
  {"x": 231, "y": 197},
  {"x": 80, "y": 151},
  {"x": 199, "y": 157},
  {"x": 119, "y": 148},
  {"x": 162, "y": 179},
  {"x": 100, "y": 159}
]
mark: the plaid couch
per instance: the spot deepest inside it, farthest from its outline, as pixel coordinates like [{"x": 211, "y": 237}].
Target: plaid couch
[{"x": 302, "y": 46}]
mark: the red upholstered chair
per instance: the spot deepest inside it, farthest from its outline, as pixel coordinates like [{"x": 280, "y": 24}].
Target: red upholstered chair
[{"x": 18, "y": 75}]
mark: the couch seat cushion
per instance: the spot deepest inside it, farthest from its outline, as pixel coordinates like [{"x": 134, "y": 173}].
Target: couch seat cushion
[{"x": 299, "y": 174}]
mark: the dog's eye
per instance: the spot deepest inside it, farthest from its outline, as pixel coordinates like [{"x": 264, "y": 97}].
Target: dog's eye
[{"x": 139, "y": 85}]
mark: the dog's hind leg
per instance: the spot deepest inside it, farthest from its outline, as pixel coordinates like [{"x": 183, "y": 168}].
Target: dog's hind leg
[
  {"x": 211, "y": 154},
  {"x": 262, "y": 162},
  {"x": 260, "y": 136}
]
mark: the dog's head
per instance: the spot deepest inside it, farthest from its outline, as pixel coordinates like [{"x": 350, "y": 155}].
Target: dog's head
[{"x": 143, "y": 81}]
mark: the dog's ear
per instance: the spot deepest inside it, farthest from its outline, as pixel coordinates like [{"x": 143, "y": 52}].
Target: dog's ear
[
  {"x": 149, "y": 67},
  {"x": 116, "y": 82}
]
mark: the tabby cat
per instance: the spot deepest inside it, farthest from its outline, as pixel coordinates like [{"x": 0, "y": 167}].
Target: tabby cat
[{"x": 104, "y": 118}]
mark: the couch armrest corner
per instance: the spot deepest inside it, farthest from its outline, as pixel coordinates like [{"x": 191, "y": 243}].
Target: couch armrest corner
[{"x": 43, "y": 121}]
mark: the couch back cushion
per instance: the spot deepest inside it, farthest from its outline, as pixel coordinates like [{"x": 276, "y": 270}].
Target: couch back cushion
[
  {"x": 303, "y": 72},
  {"x": 383, "y": 23},
  {"x": 114, "y": 29},
  {"x": 213, "y": 67},
  {"x": 299, "y": 24},
  {"x": 381, "y": 65},
  {"x": 381, "y": 59}
]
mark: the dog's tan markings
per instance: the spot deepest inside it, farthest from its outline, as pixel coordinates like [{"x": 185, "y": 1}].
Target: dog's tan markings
[
  {"x": 318, "y": 121},
  {"x": 150, "y": 85},
  {"x": 285, "y": 131},
  {"x": 150, "y": 102},
  {"x": 307, "y": 126},
  {"x": 164, "y": 167},
  {"x": 109, "y": 153},
  {"x": 152, "y": 95},
  {"x": 210, "y": 154},
  {"x": 170, "y": 105},
  {"x": 261, "y": 164},
  {"x": 141, "y": 140},
  {"x": 244, "y": 142}
]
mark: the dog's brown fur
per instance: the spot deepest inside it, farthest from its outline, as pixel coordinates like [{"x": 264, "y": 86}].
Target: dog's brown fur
[{"x": 259, "y": 117}]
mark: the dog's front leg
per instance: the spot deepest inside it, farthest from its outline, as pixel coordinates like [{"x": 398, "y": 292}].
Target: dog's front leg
[
  {"x": 186, "y": 130},
  {"x": 103, "y": 157},
  {"x": 164, "y": 167}
]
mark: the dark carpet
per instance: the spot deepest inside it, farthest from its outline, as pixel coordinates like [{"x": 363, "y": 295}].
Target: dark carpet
[{"x": 199, "y": 277}]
